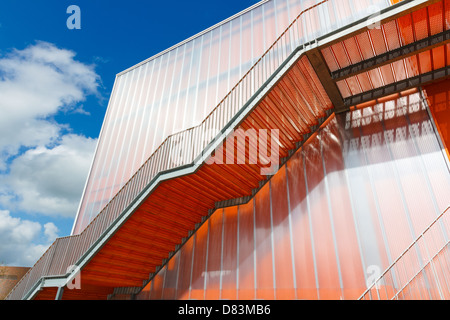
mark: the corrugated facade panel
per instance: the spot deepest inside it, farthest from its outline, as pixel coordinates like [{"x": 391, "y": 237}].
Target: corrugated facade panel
[
  {"x": 177, "y": 90},
  {"x": 422, "y": 272},
  {"x": 347, "y": 227},
  {"x": 229, "y": 275},
  {"x": 423, "y": 23},
  {"x": 303, "y": 257},
  {"x": 343, "y": 208}
]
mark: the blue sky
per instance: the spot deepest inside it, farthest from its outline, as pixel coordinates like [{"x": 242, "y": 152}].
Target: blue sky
[{"x": 55, "y": 85}]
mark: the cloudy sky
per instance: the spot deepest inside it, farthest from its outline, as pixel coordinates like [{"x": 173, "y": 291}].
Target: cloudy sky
[{"x": 55, "y": 84}]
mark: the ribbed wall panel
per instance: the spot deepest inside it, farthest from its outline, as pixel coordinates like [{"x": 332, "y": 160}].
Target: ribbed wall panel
[
  {"x": 340, "y": 211},
  {"x": 179, "y": 88},
  {"x": 422, "y": 271},
  {"x": 322, "y": 187},
  {"x": 423, "y": 23}
]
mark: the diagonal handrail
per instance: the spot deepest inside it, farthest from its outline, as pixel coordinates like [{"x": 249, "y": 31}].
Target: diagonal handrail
[
  {"x": 429, "y": 263},
  {"x": 367, "y": 292},
  {"x": 64, "y": 252}
]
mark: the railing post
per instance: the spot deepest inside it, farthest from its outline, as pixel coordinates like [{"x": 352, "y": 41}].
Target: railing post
[{"x": 59, "y": 293}]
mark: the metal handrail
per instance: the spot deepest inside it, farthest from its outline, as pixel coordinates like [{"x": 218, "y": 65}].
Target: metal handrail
[
  {"x": 425, "y": 266},
  {"x": 64, "y": 252},
  {"x": 393, "y": 264}
]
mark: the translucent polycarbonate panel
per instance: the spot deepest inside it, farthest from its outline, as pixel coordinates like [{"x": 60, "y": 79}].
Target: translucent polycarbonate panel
[
  {"x": 340, "y": 203},
  {"x": 184, "y": 270},
  {"x": 264, "y": 245},
  {"x": 229, "y": 278},
  {"x": 426, "y": 279},
  {"x": 322, "y": 229},
  {"x": 303, "y": 249},
  {"x": 214, "y": 261},
  {"x": 282, "y": 238},
  {"x": 199, "y": 268},
  {"x": 157, "y": 285},
  {"x": 171, "y": 278},
  {"x": 178, "y": 88},
  {"x": 342, "y": 209},
  {"x": 246, "y": 254}
]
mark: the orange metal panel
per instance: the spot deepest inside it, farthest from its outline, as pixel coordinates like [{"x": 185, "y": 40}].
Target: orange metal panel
[
  {"x": 296, "y": 112},
  {"x": 113, "y": 271},
  {"x": 365, "y": 45},
  {"x": 47, "y": 294},
  {"x": 330, "y": 59},
  {"x": 195, "y": 187},
  {"x": 392, "y": 37},
  {"x": 162, "y": 222},
  {"x": 199, "y": 263},
  {"x": 420, "y": 24},
  {"x": 157, "y": 285},
  {"x": 343, "y": 88},
  {"x": 438, "y": 58},
  {"x": 404, "y": 30},
  {"x": 405, "y": 25},
  {"x": 104, "y": 278},
  {"x": 446, "y": 7},
  {"x": 230, "y": 253},
  {"x": 247, "y": 272},
  {"x": 152, "y": 250},
  {"x": 263, "y": 121},
  {"x": 376, "y": 78},
  {"x": 132, "y": 255},
  {"x": 378, "y": 40},
  {"x": 130, "y": 232},
  {"x": 340, "y": 53},
  {"x": 436, "y": 14},
  {"x": 425, "y": 61},
  {"x": 106, "y": 259},
  {"x": 439, "y": 101},
  {"x": 353, "y": 85},
  {"x": 364, "y": 81},
  {"x": 263, "y": 244},
  {"x": 214, "y": 261},
  {"x": 352, "y": 50},
  {"x": 387, "y": 74},
  {"x": 170, "y": 281},
  {"x": 144, "y": 294},
  {"x": 398, "y": 68},
  {"x": 185, "y": 269}
]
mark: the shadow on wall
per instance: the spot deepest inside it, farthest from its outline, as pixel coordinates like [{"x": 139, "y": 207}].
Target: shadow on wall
[{"x": 347, "y": 203}]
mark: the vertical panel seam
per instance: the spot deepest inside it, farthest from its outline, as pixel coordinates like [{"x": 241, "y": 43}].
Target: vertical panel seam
[{"x": 294, "y": 278}]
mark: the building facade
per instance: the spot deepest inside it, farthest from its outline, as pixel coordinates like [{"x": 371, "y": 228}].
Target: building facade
[
  {"x": 9, "y": 276},
  {"x": 297, "y": 150},
  {"x": 177, "y": 89}
]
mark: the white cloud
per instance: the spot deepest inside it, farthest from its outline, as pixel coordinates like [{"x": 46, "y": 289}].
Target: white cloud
[
  {"x": 36, "y": 83},
  {"x": 51, "y": 231},
  {"x": 42, "y": 168},
  {"x": 17, "y": 239},
  {"x": 49, "y": 181}
]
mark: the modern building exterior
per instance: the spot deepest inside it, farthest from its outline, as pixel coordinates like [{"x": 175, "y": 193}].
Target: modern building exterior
[
  {"x": 9, "y": 276},
  {"x": 297, "y": 150}
]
